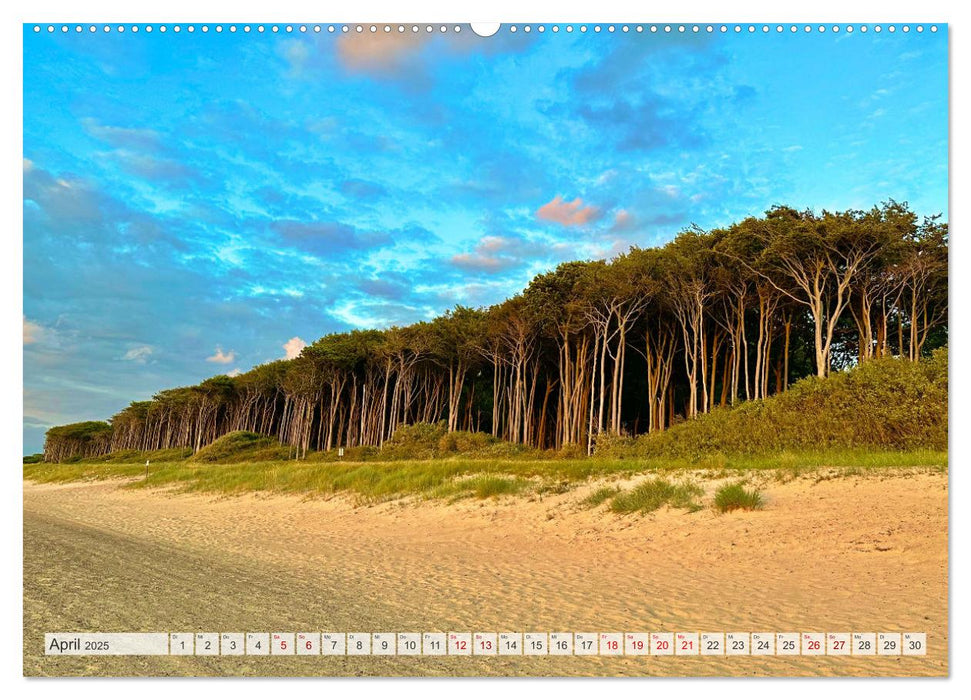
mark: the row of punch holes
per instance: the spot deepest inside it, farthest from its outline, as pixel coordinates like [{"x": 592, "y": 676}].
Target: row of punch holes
[{"x": 456, "y": 28}]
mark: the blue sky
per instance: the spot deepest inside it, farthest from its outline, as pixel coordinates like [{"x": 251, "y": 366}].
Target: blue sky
[{"x": 196, "y": 204}]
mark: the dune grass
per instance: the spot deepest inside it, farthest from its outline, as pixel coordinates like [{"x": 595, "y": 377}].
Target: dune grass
[
  {"x": 652, "y": 494},
  {"x": 600, "y": 496},
  {"x": 736, "y": 497},
  {"x": 372, "y": 482}
]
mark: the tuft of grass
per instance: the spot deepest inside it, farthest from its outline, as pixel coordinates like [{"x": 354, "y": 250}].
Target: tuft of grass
[
  {"x": 652, "y": 494},
  {"x": 494, "y": 486},
  {"x": 737, "y": 497},
  {"x": 554, "y": 488},
  {"x": 601, "y": 495},
  {"x": 482, "y": 486}
]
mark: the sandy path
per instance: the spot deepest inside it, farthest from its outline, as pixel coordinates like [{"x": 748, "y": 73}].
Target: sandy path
[{"x": 849, "y": 554}]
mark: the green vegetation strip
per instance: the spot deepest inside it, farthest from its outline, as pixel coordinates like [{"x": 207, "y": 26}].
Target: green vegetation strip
[{"x": 372, "y": 482}]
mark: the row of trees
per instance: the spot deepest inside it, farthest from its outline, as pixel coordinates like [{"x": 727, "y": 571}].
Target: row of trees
[
  {"x": 629, "y": 345},
  {"x": 87, "y": 439}
]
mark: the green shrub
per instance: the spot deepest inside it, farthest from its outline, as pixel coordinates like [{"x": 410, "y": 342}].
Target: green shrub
[
  {"x": 241, "y": 445},
  {"x": 737, "y": 497},
  {"x": 429, "y": 441},
  {"x": 572, "y": 451},
  {"x": 612, "y": 444},
  {"x": 273, "y": 453},
  {"x": 464, "y": 442},
  {"x": 416, "y": 441},
  {"x": 887, "y": 403},
  {"x": 650, "y": 495},
  {"x": 361, "y": 453},
  {"x": 33, "y": 459}
]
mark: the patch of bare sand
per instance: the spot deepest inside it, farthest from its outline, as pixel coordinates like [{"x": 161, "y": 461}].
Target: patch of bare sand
[{"x": 866, "y": 553}]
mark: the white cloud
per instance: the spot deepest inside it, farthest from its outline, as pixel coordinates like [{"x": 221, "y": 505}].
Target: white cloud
[
  {"x": 293, "y": 347},
  {"x": 139, "y": 354},
  {"x": 234, "y": 373},
  {"x": 33, "y": 332},
  {"x": 222, "y": 358}
]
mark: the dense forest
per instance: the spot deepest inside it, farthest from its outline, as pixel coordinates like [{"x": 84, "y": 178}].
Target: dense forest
[{"x": 626, "y": 346}]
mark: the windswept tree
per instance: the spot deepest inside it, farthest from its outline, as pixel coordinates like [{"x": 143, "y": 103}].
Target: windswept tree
[
  {"x": 455, "y": 341},
  {"x": 555, "y": 301},
  {"x": 814, "y": 261},
  {"x": 77, "y": 441},
  {"x": 921, "y": 279},
  {"x": 658, "y": 330},
  {"x": 689, "y": 284}
]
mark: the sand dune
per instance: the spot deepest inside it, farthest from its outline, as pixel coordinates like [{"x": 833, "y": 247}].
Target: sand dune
[{"x": 866, "y": 553}]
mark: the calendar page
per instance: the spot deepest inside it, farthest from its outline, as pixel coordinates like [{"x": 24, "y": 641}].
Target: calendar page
[{"x": 517, "y": 349}]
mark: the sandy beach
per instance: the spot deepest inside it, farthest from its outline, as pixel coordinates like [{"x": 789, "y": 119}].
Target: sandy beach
[{"x": 853, "y": 553}]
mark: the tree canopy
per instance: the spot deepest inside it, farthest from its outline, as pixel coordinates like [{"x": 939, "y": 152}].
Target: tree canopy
[{"x": 631, "y": 345}]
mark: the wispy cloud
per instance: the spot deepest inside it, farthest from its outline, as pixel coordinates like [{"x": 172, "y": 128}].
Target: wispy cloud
[
  {"x": 139, "y": 354},
  {"x": 123, "y": 137},
  {"x": 328, "y": 238},
  {"x": 505, "y": 253}
]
